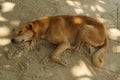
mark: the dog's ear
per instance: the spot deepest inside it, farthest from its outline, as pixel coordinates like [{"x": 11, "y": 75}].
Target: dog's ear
[
  {"x": 38, "y": 22},
  {"x": 29, "y": 27}
]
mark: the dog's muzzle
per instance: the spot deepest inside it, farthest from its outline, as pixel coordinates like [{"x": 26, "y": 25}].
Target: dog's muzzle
[{"x": 13, "y": 40}]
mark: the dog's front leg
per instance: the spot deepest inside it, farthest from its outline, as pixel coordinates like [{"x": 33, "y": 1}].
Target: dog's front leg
[
  {"x": 31, "y": 45},
  {"x": 55, "y": 56}
]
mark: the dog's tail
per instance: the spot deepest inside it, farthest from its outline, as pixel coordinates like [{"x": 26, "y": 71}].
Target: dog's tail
[{"x": 97, "y": 58}]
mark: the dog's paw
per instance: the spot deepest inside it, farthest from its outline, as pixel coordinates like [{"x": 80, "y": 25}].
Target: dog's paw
[
  {"x": 98, "y": 61},
  {"x": 57, "y": 60},
  {"x": 73, "y": 48},
  {"x": 31, "y": 46}
]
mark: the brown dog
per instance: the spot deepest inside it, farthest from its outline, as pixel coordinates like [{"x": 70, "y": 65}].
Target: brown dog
[{"x": 65, "y": 30}]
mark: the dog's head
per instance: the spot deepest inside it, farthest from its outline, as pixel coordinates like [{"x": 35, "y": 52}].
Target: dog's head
[{"x": 24, "y": 33}]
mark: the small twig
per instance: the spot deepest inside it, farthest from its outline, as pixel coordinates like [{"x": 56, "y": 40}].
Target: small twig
[
  {"x": 115, "y": 40},
  {"x": 117, "y": 16},
  {"x": 109, "y": 70},
  {"x": 3, "y": 69},
  {"x": 43, "y": 59},
  {"x": 116, "y": 19},
  {"x": 111, "y": 15}
]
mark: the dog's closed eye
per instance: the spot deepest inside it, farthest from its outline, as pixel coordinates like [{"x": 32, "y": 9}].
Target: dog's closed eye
[
  {"x": 20, "y": 31},
  {"x": 29, "y": 27}
]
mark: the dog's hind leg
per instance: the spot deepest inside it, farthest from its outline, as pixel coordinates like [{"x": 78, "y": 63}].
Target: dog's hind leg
[
  {"x": 79, "y": 46},
  {"x": 97, "y": 58},
  {"x": 96, "y": 36},
  {"x": 56, "y": 53},
  {"x": 79, "y": 41}
]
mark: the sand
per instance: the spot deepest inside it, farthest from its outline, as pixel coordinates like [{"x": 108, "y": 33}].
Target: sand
[{"x": 17, "y": 63}]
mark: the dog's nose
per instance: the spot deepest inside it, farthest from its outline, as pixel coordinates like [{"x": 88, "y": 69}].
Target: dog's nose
[{"x": 13, "y": 40}]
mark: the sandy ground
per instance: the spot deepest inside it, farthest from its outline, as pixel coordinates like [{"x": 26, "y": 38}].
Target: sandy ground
[{"x": 16, "y": 63}]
